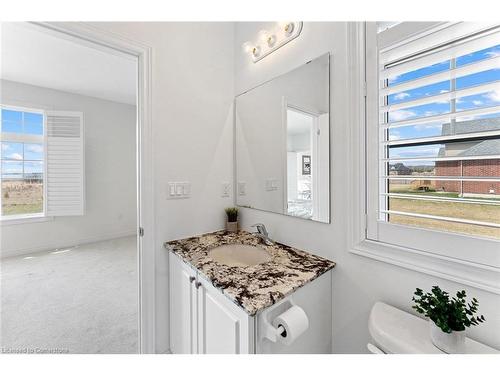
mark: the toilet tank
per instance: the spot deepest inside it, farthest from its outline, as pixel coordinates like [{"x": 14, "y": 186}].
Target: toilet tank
[{"x": 395, "y": 331}]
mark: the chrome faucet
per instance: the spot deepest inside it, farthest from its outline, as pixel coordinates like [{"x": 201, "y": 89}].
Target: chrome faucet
[{"x": 262, "y": 233}]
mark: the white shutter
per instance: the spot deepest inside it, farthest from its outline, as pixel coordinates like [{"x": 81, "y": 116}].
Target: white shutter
[
  {"x": 65, "y": 164},
  {"x": 438, "y": 149}
]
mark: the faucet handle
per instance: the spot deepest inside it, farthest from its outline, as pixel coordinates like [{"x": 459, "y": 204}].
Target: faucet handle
[{"x": 261, "y": 228}]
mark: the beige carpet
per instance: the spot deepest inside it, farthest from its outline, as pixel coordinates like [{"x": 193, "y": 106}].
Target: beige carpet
[{"x": 76, "y": 300}]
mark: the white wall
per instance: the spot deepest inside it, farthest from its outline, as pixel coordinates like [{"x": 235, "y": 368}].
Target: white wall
[
  {"x": 192, "y": 130},
  {"x": 358, "y": 282},
  {"x": 110, "y": 181}
]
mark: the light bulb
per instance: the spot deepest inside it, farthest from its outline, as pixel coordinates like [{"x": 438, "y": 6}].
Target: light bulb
[
  {"x": 247, "y": 47},
  {"x": 271, "y": 39},
  {"x": 263, "y": 35},
  {"x": 256, "y": 51},
  {"x": 288, "y": 28}
]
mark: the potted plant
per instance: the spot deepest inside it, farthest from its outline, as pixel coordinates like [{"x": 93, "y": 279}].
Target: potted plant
[
  {"x": 448, "y": 317},
  {"x": 232, "y": 219}
]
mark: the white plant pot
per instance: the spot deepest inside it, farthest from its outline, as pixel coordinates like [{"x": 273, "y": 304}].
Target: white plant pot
[
  {"x": 232, "y": 226},
  {"x": 453, "y": 343}
]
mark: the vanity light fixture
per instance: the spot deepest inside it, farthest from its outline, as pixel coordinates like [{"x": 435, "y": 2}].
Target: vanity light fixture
[{"x": 270, "y": 40}]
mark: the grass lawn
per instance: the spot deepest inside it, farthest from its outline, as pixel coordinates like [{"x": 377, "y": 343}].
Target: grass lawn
[
  {"x": 21, "y": 197},
  {"x": 438, "y": 194},
  {"x": 469, "y": 211},
  {"x": 19, "y": 209}
]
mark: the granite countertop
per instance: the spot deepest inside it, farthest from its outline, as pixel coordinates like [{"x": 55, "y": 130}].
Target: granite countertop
[{"x": 253, "y": 288}]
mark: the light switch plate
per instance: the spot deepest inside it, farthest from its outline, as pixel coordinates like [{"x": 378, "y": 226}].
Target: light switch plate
[{"x": 178, "y": 190}]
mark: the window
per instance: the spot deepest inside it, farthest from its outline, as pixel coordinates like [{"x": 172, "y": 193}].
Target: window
[
  {"x": 22, "y": 163},
  {"x": 432, "y": 163},
  {"x": 42, "y": 163},
  {"x": 440, "y": 138}
]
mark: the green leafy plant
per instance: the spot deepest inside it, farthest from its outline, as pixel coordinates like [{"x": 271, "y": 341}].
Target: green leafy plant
[
  {"x": 449, "y": 314},
  {"x": 232, "y": 214}
]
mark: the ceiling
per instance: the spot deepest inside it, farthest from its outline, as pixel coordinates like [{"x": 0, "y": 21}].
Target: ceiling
[{"x": 32, "y": 55}]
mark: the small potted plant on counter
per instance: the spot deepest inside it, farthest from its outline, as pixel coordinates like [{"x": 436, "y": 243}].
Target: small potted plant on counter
[
  {"x": 448, "y": 317},
  {"x": 232, "y": 219}
]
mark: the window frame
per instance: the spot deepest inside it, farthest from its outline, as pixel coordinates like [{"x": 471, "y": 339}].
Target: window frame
[
  {"x": 442, "y": 254},
  {"x": 34, "y": 217}
]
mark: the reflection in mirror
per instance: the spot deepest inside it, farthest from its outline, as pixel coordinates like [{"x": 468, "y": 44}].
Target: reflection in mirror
[{"x": 283, "y": 144}]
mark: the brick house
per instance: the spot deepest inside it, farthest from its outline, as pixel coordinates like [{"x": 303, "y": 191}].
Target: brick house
[
  {"x": 399, "y": 169},
  {"x": 478, "y": 168}
]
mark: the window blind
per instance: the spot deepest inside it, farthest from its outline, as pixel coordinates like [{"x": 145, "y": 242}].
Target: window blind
[
  {"x": 65, "y": 164},
  {"x": 439, "y": 132}
]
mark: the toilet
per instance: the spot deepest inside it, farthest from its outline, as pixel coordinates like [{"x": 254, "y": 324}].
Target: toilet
[{"x": 394, "y": 331}]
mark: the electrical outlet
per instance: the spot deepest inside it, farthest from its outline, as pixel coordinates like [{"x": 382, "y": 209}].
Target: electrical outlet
[
  {"x": 226, "y": 189},
  {"x": 271, "y": 184},
  {"x": 242, "y": 188}
]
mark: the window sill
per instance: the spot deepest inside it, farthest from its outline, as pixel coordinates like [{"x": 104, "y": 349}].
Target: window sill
[
  {"x": 472, "y": 274},
  {"x": 25, "y": 220}
]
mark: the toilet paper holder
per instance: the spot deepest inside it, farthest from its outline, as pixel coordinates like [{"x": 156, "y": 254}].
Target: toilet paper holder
[{"x": 269, "y": 331}]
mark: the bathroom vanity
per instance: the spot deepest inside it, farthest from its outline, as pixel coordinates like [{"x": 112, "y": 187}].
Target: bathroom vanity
[{"x": 228, "y": 290}]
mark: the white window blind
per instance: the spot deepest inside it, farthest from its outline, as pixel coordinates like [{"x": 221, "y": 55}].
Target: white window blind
[
  {"x": 439, "y": 131},
  {"x": 65, "y": 164}
]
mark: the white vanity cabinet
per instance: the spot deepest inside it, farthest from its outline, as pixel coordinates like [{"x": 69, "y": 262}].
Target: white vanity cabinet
[{"x": 202, "y": 319}]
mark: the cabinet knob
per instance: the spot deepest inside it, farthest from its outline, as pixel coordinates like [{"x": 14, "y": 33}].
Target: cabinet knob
[
  {"x": 197, "y": 284},
  {"x": 191, "y": 279}
]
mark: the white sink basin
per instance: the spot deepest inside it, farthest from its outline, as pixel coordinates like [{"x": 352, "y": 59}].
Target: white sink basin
[{"x": 238, "y": 255}]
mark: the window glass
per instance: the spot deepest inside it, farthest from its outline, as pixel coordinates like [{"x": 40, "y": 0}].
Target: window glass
[
  {"x": 12, "y": 121},
  {"x": 33, "y": 151},
  {"x": 33, "y": 123},
  {"x": 22, "y": 163}
]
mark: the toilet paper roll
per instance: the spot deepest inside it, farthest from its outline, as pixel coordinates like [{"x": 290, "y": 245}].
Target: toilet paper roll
[{"x": 295, "y": 323}]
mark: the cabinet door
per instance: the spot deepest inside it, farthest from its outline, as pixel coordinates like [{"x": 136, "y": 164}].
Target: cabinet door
[
  {"x": 183, "y": 327},
  {"x": 223, "y": 327}
]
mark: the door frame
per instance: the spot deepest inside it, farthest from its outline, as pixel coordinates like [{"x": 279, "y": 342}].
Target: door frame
[{"x": 113, "y": 43}]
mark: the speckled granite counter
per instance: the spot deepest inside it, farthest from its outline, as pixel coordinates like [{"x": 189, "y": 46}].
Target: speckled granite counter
[{"x": 256, "y": 287}]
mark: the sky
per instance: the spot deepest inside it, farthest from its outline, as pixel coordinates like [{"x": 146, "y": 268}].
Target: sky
[
  {"x": 485, "y": 99},
  {"x": 18, "y": 156}
]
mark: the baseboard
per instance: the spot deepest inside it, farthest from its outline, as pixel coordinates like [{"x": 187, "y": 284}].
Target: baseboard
[{"x": 57, "y": 245}]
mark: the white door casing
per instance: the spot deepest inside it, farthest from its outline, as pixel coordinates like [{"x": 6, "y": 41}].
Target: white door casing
[{"x": 95, "y": 37}]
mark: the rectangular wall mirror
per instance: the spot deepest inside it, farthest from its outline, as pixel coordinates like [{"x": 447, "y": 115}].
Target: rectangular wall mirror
[{"x": 283, "y": 143}]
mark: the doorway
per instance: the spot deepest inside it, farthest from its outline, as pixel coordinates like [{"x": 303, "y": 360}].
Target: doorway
[
  {"x": 307, "y": 139},
  {"x": 82, "y": 311}
]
